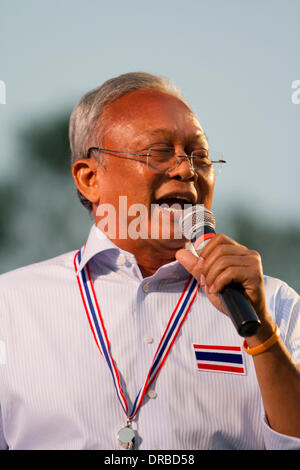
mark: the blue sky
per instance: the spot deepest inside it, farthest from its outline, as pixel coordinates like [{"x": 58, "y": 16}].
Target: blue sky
[{"x": 234, "y": 60}]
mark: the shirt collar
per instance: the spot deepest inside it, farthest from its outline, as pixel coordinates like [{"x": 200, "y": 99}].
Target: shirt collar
[{"x": 98, "y": 243}]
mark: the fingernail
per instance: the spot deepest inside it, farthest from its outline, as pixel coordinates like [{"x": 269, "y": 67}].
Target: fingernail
[
  {"x": 212, "y": 289},
  {"x": 202, "y": 280}
]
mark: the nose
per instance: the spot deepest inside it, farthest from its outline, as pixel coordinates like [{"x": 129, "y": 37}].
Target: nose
[{"x": 183, "y": 169}]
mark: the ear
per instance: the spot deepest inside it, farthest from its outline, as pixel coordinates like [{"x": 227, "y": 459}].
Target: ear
[{"x": 85, "y": 175}]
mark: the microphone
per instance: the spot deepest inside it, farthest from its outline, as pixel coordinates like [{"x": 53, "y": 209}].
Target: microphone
[{"x": 198, "y": 226}]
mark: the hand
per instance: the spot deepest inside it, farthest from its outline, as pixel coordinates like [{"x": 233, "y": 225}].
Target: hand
[{"x": 223, "y": 261}]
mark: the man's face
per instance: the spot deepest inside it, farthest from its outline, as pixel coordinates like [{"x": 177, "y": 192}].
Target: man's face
[{"x": 136, "y": 122}]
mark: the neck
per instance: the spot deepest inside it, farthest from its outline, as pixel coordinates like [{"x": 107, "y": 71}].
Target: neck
[{"x": 150, "y": 255}]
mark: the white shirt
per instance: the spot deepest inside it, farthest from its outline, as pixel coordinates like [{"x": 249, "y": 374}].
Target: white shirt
[{"x": 56, "y": 391}]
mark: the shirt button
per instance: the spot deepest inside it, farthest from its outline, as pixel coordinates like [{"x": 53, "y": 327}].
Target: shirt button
[
  {"x": 122, "y": 258},
  {"x": 146, "y": 287},
  {"x": 148, "y": 339},
  {"x": 152, "y": 394}
]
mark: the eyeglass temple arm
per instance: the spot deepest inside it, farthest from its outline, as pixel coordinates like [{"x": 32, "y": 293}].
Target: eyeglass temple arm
[
  {"x": 140, "y": 154},
  {"x": 191, "y": 156},
  {"x": 115, "y": 151}
]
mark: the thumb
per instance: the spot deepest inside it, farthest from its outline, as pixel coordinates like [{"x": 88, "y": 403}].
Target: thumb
[{"x": 192, "y": 263}]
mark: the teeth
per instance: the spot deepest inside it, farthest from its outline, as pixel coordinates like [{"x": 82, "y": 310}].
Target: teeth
[
  {"x": 169, "y": 209},
  {"x": 181, "y": 198}
]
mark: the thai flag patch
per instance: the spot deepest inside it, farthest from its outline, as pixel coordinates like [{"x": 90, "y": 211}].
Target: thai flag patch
[{"x": 228, "y": 359}]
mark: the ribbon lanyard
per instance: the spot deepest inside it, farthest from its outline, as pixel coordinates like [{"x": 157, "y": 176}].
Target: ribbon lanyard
[{"x": 96, "y": 323}]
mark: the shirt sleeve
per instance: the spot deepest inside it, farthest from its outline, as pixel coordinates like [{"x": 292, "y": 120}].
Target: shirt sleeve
[
  {"x": 3, "y": 443},
  {"x": 276, "y": 441},
  {"x": 285, "y": 306}
]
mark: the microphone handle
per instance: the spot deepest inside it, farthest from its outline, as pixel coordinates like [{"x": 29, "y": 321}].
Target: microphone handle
[
  {"x": 237, "y": 306},
  {"x": 240, "y": 310}
]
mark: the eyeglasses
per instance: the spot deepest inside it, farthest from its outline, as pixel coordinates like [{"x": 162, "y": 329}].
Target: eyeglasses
[{"x": 164, "y": 159}]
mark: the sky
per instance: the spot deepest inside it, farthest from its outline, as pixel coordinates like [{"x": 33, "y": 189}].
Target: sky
[{"x": 235, "y": 61}]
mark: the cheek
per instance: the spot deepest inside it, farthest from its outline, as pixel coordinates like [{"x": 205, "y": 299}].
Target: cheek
[
  {"x": 206, "y": 184},
  {"x": 125, "y": 179}
]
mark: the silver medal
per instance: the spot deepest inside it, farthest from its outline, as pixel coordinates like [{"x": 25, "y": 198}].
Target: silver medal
[{"x": 126, "y": 437}]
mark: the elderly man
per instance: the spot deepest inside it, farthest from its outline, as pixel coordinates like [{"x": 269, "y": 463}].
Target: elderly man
[{"x": 121, "y": 344}]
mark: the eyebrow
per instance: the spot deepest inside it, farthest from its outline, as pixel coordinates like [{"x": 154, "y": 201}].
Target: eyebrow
[{"x": 172, "y": 133}]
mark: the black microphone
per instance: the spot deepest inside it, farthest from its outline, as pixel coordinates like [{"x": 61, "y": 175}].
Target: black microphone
[{"x": 198, "y": 226}]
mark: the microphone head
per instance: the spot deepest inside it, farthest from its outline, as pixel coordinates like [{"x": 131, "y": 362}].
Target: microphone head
[{"x": 196, "y": 221}]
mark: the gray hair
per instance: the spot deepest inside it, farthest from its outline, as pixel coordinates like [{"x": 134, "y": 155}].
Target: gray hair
[{"x": 86, "y": 114}]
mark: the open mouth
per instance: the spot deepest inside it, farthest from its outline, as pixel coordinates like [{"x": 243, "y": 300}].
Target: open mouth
[{"x": 176, "y": 202}]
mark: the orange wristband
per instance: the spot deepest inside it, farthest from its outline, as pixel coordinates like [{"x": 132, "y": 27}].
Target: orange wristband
[{"x": 264, "y": 346}]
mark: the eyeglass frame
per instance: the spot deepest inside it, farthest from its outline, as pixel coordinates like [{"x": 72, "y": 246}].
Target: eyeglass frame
[{"x": 100, "y": 149}]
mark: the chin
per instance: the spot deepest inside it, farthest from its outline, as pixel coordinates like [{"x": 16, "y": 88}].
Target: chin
[
  {"x": 165, "y": 225},
  {"x": 170, "y": 243},
  {"x": 173, "y": 245}
]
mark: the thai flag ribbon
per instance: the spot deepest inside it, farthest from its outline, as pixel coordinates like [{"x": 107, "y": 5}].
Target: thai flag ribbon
[{"x": 97, "y": 326}]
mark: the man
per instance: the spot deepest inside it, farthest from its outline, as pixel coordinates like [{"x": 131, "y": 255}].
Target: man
[{"x": 107, "y": 347}]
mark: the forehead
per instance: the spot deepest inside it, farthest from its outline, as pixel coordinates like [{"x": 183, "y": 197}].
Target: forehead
[{"x": 150, "y": 113}]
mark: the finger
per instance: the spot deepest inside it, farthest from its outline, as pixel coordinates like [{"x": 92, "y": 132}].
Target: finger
[
  {"x": 222, "y": 264},
  {"x": 223, "y": 251},
  {"x": 218, "y": 239},
  {"x": 247, "y": 277},
  {"x": 250, "y": 281},
  {"x": 190, "y": 262}
]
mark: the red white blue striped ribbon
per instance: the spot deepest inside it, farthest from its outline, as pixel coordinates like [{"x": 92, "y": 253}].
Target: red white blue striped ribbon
[{"x": 96, "y": 323}]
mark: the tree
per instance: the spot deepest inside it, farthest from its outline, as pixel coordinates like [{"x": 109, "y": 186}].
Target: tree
[
  {"x": 40, "y": 215},
  {"x": 279, "y": 246}
]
